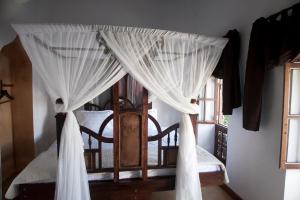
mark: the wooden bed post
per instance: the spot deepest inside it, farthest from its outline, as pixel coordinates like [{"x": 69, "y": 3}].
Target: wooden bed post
[
  {"x": 145, "y": 135},
  {"x": 116, "y": 131},
  {"x": 126, "y": 91}
]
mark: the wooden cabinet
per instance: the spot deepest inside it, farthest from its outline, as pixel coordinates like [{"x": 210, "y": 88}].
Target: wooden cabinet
[
  {"x": 21, "y": 106},
  {"x": 221, "y": 143}
]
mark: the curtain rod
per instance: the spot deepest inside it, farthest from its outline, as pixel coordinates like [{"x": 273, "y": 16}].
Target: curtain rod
[
  {"x": 274, "y": 16},
  {"x": 55, "y": 50}
]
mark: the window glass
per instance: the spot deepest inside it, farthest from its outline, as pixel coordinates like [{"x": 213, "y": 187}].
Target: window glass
[
  {"x": 210, "y": 103},
  {"x": 224, "y": 119},
  {"x": 293, "y": 153},
  {"x": 209, "y": 111},
  {"x": 210, "y": 88},
  {"x": 295, "y": 92},
  {"x": 201, "y": 111}
]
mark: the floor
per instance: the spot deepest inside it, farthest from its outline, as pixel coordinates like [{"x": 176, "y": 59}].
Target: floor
[{"x": 208, "y": 193}]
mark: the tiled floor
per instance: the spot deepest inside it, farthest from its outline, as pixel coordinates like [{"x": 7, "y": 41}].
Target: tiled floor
[{"x": 208, "y": 193}]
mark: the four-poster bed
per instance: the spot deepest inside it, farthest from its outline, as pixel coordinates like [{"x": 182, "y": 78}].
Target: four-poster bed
[
  {"x": 133, "y": 183},
  {"x": 77, "y": 63}
]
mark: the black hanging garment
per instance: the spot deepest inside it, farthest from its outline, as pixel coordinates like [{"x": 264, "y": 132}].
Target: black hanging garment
[
  {"x": 228, "y": 70},
  {"x": 260, "y": 47},
  {"x": 272, "y": 43}
]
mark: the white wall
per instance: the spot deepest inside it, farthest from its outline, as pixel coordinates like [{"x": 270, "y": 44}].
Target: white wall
[
  {"x": 252, "y": 157},
  {"x": 292, "y": 191},
  {"x": 206, "y": 137}
]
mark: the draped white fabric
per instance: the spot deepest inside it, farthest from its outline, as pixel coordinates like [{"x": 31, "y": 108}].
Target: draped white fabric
[
  {"x": 174, "y": 67},
  {"x": 74, "y": 68}
]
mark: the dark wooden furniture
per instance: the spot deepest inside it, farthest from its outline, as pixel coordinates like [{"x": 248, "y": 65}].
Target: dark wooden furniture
[
  {"x": 128, "y": 189},
  {"x": 130, "y": 129},
  {"x": 21, "y": 108},
  {"x": 221, "y": 143}
]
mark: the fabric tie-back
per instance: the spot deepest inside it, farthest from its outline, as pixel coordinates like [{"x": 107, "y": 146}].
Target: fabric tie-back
[{"x": 172, "y": 66}]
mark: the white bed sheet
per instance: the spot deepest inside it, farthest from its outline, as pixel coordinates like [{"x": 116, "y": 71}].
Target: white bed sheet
[{"x": 43, "y": 169}]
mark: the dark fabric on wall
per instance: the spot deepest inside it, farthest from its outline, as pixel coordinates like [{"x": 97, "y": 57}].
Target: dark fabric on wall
[
  {"x": 228, "y": 70},
  {"x": 290, "y": 47},
  {"x": 255, "y": 73},
  {"x": 273, "y": 42}
]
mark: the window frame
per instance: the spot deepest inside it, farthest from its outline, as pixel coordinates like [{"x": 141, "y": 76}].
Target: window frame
[
  {"x": 217, "y": 104},
  {"x": 286, "y": 116}
]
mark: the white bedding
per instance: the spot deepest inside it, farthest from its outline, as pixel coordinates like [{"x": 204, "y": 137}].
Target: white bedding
[{"x": 43, "y": 169}]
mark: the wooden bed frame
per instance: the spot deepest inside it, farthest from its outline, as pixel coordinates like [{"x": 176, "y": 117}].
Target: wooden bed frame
[{"x": 130, "y": 129}]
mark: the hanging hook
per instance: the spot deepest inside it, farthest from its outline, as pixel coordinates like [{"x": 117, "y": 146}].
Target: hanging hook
[{"x": 4, "y": 93}]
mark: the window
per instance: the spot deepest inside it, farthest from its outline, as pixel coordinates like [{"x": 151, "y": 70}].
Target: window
[
  {"x": 210, "y": 104},
  {"x": 290, "y": 136},
  {"x": 211, "y": 119}
]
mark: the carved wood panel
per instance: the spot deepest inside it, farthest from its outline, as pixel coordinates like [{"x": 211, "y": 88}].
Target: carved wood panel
[
  {"x": 130, "y": 139},
  {"x": 170, "y": 155}
]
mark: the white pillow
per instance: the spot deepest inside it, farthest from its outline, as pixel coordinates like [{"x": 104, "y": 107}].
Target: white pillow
[{"x": 94, "y": 119}]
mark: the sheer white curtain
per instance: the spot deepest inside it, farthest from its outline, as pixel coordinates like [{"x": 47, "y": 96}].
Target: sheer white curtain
[
  {"x": 75, "y": 68},
  {"x": 174, "y": 67}
]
